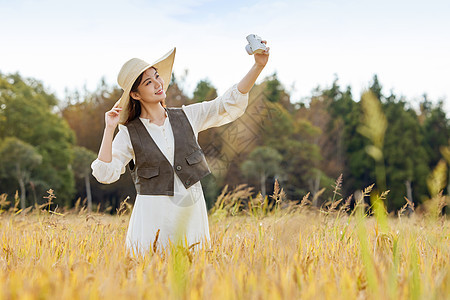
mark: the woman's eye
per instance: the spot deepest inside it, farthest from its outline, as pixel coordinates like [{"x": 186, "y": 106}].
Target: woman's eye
[
  {"x": 157, "y": 75},
  {"x": 148, "y": 82}
]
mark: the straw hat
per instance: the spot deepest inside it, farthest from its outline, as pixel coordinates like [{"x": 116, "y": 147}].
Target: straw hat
[{"x": 133, "y": 68}]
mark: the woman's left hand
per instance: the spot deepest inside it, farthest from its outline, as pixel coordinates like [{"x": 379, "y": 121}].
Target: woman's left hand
[{"x": 262, "y": 58}]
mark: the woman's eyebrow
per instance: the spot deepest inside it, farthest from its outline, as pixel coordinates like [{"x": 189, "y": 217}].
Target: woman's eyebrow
[
  {"x": 148, "y": 78},
  {"x": 156, "y": 72}
]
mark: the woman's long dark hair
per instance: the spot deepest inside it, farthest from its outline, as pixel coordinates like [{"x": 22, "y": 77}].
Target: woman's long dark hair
[{"x": 134, "y": 106}]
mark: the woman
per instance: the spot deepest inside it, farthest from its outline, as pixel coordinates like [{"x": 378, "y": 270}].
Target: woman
[{"x": 159, "y": 145}]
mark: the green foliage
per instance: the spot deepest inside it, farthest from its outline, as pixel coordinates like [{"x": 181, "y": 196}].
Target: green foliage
[
  {"x": 362, "y": 164},
  {"x": 436, "y": 131},
  {"x": 82, "y": 161},
  {"x": 262, "y": 162},
  {"x": 262, "y": 159},
  {"x": 204, "y": 91},
  {"x": 274, "y": 88},
  {"x": 293, "y": 139},
  {"x": 27, "y": 113},
  {"x": 16, "y": 155},
  {"x": 406, "y": 159},
  {"x": 211, "y": 190},
  {"x": 373, "y": 127},
  {"x": 347, "y": 151},
  {"x": 275, "y": 92},
  {"x": 17, "y": 160},
  {"x": 378, "y": 139}
]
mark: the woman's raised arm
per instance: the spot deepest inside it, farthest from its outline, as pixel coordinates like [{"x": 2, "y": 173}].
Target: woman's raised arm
[
  {"x": 229, "y": 106},
  {"x": 111, "y": 121},
  {"x": 249, "y": 80}
]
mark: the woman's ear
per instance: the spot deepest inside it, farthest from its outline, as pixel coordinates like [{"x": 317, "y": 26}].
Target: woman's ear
[{"x": 135, "y": 95}]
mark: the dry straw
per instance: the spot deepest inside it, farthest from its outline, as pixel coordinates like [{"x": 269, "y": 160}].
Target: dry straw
[{"x": 340, "y": 251}]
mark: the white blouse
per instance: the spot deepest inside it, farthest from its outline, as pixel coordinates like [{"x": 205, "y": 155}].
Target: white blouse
[{"x": 180, "y": 216}]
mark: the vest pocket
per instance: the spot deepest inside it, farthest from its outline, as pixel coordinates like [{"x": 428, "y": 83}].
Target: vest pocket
[
  {"x": 148, "y": 172},
  {"x": 195, "y": 157}
]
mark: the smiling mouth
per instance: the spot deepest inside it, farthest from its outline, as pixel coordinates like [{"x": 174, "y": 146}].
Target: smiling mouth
[{"x": 159, "y": 92}]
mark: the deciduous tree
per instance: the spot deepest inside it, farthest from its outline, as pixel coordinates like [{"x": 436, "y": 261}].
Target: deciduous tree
[{"x": 17, "y": 161}]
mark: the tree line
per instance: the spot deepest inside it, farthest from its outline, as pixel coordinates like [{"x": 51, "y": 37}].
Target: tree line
[{"x": 378, "y": 137}]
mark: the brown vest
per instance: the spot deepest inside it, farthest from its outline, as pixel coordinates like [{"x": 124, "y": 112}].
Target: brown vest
[{"x": 151, "y": 172}]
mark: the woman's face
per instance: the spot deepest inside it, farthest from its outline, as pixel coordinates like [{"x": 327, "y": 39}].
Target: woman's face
[{"x": 151, "y": 88}]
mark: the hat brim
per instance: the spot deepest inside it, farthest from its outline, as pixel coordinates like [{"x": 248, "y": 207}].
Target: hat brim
[{"x": 164, "y": 66}]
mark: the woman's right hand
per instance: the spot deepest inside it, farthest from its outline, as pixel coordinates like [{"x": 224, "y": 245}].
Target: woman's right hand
[{"x": 112, "y": 116}]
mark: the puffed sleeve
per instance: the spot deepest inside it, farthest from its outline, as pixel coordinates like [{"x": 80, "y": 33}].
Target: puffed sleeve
[
  {"x": 222, "y": 110},
  {"x": 122, "y": 153}
]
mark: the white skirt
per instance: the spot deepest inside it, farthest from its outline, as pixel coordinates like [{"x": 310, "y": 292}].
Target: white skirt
[{"x": 179, "y": 218}]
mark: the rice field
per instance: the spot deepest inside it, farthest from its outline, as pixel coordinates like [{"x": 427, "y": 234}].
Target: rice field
[{"x": 261, "y": 251}]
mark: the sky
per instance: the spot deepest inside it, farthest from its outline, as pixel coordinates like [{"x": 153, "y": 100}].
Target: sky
[{"x": 74, "y": 44}]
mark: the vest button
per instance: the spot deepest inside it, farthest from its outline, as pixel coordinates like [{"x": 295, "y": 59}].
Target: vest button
[{"x": 179, "y": 168}]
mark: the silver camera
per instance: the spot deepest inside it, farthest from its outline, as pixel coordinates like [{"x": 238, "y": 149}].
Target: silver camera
[{"x": 255, "y": 44}]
